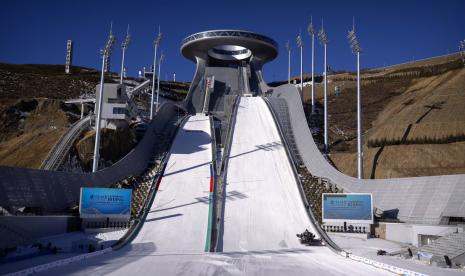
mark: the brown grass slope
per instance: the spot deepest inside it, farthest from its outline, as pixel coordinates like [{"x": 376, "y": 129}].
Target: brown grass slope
[{"x": 414, "y": 120}]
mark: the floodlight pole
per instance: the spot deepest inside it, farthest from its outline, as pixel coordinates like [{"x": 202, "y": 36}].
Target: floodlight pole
[
  {"x": 300, "y": 45},
  {"x": 288, "y": 47},
  {"x": 105, "y": 53},
  {"x": 356, "y": 49},
  {"x": 124, "y": 46},
  {"x": 311, "y": 32},
  {"x": 359, "y": 123},
  {"x": 301, "y": 74},
  {"x": 326, "y": 102},
  {"x": 324, "y": 41},
  {"x": 156, "y": 43},
  {"x": 162, "y": 57}
]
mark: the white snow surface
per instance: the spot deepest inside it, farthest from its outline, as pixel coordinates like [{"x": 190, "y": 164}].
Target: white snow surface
[
  {"x": 264, "y": 211},
  {"x": 368, "y": 248},
  {"x": 178, "y": 218}
]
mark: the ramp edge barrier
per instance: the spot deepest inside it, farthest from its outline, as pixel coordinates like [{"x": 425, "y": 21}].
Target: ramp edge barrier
[
  {"x": 221, "y": 194},
  {"x": 212, "y": 231},
  {"x": 127, "y": 238},
  {"x": 292, "y": 162}
]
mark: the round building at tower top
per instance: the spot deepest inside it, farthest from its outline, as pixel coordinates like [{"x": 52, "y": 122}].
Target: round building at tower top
[{"x": 229, "y": 45}]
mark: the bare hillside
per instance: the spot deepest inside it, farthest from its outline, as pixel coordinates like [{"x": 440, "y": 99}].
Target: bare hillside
[{"x": 413, "y": 124}]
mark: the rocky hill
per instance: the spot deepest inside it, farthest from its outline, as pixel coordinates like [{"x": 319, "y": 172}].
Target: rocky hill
[{"x": 32, "y": 115}]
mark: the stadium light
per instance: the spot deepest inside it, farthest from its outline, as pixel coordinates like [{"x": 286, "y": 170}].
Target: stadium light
[
  {"x": 288, "y": 48},
  {"x": 162, "y": 58},
  {"x": 311, "y": 32},
  {"x": 106, "y": 52},
  {"x": 124, "y": 46},
  {"x": 356, "y": 49},
  {"x": 324, "y": 41},
  {"x": 462, "y": 50},
  {"x": 300, "y": 44},
  {"x": 156, "y": 42}
]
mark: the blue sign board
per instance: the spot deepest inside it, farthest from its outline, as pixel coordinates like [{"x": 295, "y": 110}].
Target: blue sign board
[
  {"x": 353, "y": 208},
  {"x": 105, "y": 203}
]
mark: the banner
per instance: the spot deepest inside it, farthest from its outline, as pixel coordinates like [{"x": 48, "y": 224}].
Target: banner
[
  {"x": 105, "y": 203},
  {"x": 350, "y": 208}
]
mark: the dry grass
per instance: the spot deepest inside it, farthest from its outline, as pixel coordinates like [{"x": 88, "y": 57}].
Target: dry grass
[
  {"x": 29, "y": 143},
  {"x": 29, "y": 149},
  {"x": 406, "y": 160},
  {"x": 414, "y": 111},
  {"x": 429, "y": 112}
]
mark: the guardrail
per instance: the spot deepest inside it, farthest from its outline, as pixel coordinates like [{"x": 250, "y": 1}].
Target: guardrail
[
  {"x": 58, "y": 152},
  {"x": 140, "y": 87},
  {"x": 222, "y": 174},
  {"x": 212, "y": 221}
]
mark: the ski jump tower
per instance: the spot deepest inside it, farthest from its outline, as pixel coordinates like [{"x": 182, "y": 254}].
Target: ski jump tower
[{"x": 228, "y": 62}]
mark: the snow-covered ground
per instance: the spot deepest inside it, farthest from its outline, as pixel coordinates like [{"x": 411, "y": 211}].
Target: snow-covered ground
[
  {"x": 178, "y": 218},
  {"x": 64, "y": 244},
  {"x": 368, "y": 248}
]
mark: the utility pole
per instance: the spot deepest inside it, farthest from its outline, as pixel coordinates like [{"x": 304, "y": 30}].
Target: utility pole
[
  {"x": 124, "y": 46},
  {"x": 356, "y": 49},
  {"x": 324, "y": 41},
  {"x": 311, "y": 32},
  {"x": 300, "y": 44},
  {"x": 156, "y": 42},
  {"x": 106, "y": 52},
  {"x": 288, "y": 48},
  {"x": 162, "y": 57}
]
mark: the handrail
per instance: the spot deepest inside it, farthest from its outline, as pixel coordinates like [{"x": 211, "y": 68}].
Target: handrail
[
  {"x": 56, "y": 154},
  {"x": 221, "y": 193},
  {"x": 213, "y": 222},
  {"x": 291, "y": 160}
]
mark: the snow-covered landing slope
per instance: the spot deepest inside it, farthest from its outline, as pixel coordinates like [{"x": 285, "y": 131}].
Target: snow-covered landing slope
[
  {"x": 178, "y": 218},
  {"x": 173, "y": 236},
  {"x": 263, "y": 210}
]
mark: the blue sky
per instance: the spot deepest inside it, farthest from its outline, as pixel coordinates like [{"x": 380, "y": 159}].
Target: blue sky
[{"x": 390, "y": 32}]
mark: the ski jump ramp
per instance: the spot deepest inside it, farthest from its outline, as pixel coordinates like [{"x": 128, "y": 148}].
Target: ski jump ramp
[
  {"x": 178, "y": 218},
  {"x": 263, "y": 212},
  {"x": 263, "y": 209}
]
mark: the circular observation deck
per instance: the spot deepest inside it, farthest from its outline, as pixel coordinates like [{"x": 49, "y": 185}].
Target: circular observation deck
[{"x": 229, "y": 45}]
